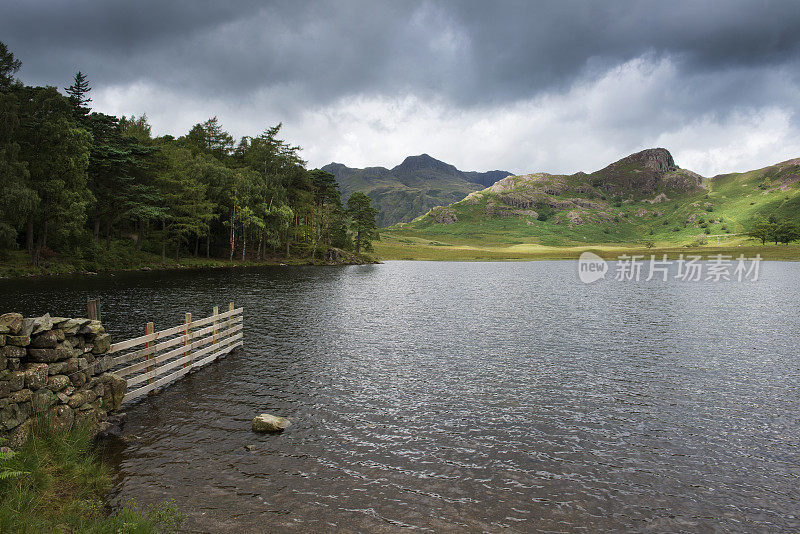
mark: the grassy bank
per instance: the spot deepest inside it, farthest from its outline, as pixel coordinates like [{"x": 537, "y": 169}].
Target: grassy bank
[
  {"x": 122, "y": 256},
  {"x": 409, "y": 245},
  {"x": 56, "y": 484}
]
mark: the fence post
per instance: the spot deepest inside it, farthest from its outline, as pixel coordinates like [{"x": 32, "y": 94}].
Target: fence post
[
  {"x": 93, "y": 309},
  {"x": 149, "y": 329},
  {"x": 186, "y": 341},
  {"x": 214, "y": 312},
  {"x": 230, "y": 321}
]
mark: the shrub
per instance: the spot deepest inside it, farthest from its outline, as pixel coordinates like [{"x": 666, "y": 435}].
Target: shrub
[{"x": 699, "y": 241}]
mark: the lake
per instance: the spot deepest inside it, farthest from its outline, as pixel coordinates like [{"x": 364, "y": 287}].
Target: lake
[{"x": 464, "y": 397}]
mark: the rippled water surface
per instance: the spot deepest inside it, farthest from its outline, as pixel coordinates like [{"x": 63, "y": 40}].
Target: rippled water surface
[{"x": 465, "y": 396}]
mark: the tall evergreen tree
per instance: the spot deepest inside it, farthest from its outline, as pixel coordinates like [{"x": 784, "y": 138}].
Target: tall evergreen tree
[
  {"x": 9, "y": 65},
  {"x": 210, "y": 138},
  {"x": 363, "y": 221},
  {"x": 187, "y": 210},
  {"x": 57, "y": 152},
  {"x": 326, "y": 197},
  {"x": 118, "y": 168},
  {"x": 18, "y": 199},
  {"x": 78, "y": 94}
]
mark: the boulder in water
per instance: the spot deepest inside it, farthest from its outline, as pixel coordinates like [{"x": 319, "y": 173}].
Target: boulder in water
[{"x": 270, "y": 423}]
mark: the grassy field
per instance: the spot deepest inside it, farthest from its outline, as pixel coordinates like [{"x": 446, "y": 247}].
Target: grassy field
[
  {"x": 405, "y": 245},
  {"x": 56, "y": 484}
]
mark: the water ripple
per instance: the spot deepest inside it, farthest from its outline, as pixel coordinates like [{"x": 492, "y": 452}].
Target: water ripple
[{"x": 465, "y": 396}]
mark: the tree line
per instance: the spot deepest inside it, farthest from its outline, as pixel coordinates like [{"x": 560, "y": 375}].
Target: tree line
[
  {"x": 74, "y": 179},
  {"x": 774, "y": 230}
]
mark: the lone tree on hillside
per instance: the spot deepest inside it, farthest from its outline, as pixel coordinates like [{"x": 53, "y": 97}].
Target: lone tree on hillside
[{"x": 363, "y": 221}]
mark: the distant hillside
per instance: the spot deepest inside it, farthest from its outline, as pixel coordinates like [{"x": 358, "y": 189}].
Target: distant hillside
[
  {"x": 411, "y": 188},
  {"x": 643, "y": 197}
]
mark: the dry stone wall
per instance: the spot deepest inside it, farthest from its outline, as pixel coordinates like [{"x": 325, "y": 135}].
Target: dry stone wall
[{"x": 56, "y": 368}]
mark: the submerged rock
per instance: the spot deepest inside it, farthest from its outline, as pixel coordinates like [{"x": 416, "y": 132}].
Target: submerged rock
[{"x": 270, "y": 423}]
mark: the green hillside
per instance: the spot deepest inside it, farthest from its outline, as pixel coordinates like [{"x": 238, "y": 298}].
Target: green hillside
[
  {"x": 412, "y": 188},
  {"x": 643, "y": 198}
]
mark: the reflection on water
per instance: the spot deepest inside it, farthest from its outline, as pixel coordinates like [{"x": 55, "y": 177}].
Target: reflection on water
[{"x": 465, "y": 396}]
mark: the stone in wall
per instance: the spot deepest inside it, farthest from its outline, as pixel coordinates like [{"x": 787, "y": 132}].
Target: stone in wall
[{"x": 54, "y": 367}]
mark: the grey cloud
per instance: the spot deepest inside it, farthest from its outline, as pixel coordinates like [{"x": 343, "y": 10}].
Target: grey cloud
[
  {"x": 258, "y": 63},
  {"x": 471, "y": 53}
]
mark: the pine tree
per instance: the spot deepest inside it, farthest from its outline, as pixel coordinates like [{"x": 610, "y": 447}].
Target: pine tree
[
  {"x": 56, "y": 150},
  {"x": 17, "y": 200},
  {"x": 363, "y": 221},
  {"x": 8, "y": 67},
  {"x": 78, "y": 94}
]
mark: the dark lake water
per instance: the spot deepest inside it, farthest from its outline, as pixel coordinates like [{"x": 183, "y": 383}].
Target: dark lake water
[{"x": 465, "y": 397}]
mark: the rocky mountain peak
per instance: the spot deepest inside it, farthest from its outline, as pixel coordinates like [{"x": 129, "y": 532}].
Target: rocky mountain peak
[
  {"x": 654, "y": 159},
  {"x": 424, "y": 161}
]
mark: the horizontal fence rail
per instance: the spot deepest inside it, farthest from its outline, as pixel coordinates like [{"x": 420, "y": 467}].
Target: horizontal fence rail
[{"x": 169, "y": 354}]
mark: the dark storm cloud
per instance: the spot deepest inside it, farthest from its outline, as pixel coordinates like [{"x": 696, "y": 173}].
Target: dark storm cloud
[
  {"x": 468, "y": 53},
  {"x": 554, "y": 41}
]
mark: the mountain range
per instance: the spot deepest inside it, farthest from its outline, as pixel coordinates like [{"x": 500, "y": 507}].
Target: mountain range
[
  {"x": 641, "y": 198},
  {"x": 411, "y": 188}
]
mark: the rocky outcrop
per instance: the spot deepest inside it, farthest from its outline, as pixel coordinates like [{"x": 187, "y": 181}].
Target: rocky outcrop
[
  {"x": 655, "y": 159},
  {"x": 444, "y": 215},
  {"x": 55, "y": 368},
  {"x": 644, "y": 173},
  {"x": 661, "y": 197}
]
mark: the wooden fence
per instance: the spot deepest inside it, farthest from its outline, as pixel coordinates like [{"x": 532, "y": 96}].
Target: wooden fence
[{"x": 158, "y": 363}]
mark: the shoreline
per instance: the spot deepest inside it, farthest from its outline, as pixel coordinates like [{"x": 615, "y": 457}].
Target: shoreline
[
  {"x": 441, "y": 251},
  {"x": 422, "y": 252},
  {"x": 9, "y": 272}
]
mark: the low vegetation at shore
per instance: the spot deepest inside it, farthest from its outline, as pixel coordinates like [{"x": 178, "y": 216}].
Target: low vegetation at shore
[
  {"x": 121, "y": 256},
  {"x": 408, "y": 245},
  {"x": 55, "y": 483}
]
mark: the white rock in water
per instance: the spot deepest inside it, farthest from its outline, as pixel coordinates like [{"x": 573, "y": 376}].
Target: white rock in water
[{"x": 270, "y": 423}]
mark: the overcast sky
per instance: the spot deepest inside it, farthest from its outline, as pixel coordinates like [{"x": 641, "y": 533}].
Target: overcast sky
[{"x": 556, "y": 86}]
